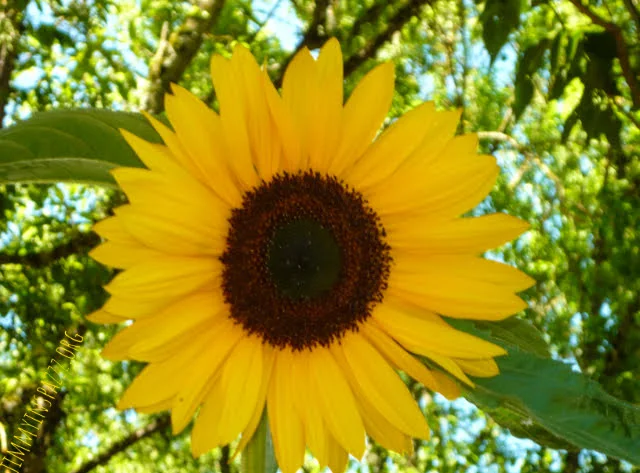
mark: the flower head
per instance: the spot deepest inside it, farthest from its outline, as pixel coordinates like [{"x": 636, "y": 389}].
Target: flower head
[{"x": 281, "y": 254}]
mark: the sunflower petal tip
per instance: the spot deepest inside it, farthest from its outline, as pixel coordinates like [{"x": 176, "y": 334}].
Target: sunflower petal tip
[
  {"x": 240, "y": 48},
  {"x": 501, "y": 351},
  {"x": 126, "y": 134},
  {"x": 123, "y": 403},
  {"x": 110, "y": 355},
  {"x": 95, "y": 317}
]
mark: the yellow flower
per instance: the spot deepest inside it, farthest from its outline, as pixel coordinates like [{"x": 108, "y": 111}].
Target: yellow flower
[{"x": 279, "y": 254}]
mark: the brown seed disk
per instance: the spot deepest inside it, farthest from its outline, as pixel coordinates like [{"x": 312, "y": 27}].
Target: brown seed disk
[{"x": 255, "y": 293}]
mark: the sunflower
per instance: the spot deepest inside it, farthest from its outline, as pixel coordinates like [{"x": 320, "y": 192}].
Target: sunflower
[{"x": 279, "y": 254}]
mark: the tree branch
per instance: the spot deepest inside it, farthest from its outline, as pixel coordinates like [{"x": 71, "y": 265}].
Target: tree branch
[
  {"x": 499, "y": 136},
  {"x": 11, "y": 19},
  {"x": 79, "y": 243},
  {"x": 395, "y": 23},
  {"x": 225, "y": 456},
  {"x": 462, "y": 13},
  {"x": 621, "y": 49},
  {"x": 104, "y": 457},
  {"x": 633, "y": 11},
  {"x": 314, "y": 36},
  {"x": 370, "y": 17},
  {"x": 176, "y": 52},
  {"x": 316, "y": 33}
]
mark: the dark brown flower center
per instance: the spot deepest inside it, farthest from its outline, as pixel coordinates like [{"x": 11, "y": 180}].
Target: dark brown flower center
[{"x": 305, "y": 261}]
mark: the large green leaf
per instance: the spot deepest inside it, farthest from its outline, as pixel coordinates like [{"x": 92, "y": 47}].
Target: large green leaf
[
  {"x": 70, "y": 146},
  {"x": 528, "y": 63},
  {"x": 547, "y": 393},
  {"x": 499, "y": 18},
  {"x": 546, "y": 400}
]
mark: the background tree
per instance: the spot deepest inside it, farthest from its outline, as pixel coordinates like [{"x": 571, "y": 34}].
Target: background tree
[{"x": 553, "y": 88}]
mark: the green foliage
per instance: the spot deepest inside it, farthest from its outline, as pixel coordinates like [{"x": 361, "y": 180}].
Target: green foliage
[
  {"x": 528, "y": 64},
  {"x": 499, "y": 19},
  {"x": 548, "y": 394},
  {"x": 546, "y": 401},
  {"x": 70, "y": 146},
  {"x": 563, "y": 122}
]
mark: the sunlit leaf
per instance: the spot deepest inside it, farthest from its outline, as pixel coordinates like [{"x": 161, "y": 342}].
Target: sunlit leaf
[{"x": 70, "y": 146}]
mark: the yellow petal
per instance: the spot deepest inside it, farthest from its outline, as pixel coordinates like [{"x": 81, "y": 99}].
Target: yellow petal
[
  {"x": 458, "y": 196},
  {"x": 173, "y": 234},
  {"x": 438, "y": 152},
  {"x": 232, "y": 114},
  {"x": 150, "y": 386},
  {"x": 392, "y": 147},
  {"x": 231, "y": 403},
  {"x": 151, "y": 337},
  {"x": 313, "y": 92},
  {"x": 263, "y": 143},
  {"x": 398, "y": 356},
  {"x": 447, "y": 386},
  {"x": 309, "y": 406},
  {"x": 123, "y": 255},
  {"x": 134, "y": 308},
  {"x": 154, "y": 156},
  {"x": 155, "y": 408},
  {"x": 299, "y": 80},
  {"x": 204, "y": 435},
  {"x": 420, "y": 335},
  {"x": 422, "y": 235},
  {"x": 284, "y": 127},
  {"x": 268, "y": 355},
  {"x": 338, "y": 458},
  {"x": 181, "y": 181},
  {"x": 328, "y": 98},
  {"x": 364, "y": 113},
  {"x": 103, "y": 317},
  {"x": 112, "y": 229},
  {"x": 383, "y": 431},
  {"x": 381, "y": 386},
  {"x": 337, "y": 403},
  {"x": 455, "y": 295},
  {"x": 485, "y": 368},
  {"x": 430, "y": 190},
  {"x": 168, "y": 277},
  {"x": 177, "y": 151},
  {"x": 464, "y": 266},
  {"x": 439, "y": 147},
  {"x": 185, "y": 202},
  {"x": 159, "y": 382},
  {"x": 451, "y": 367},
  {"x": 285, "y": 422},
  {"x": 199, "y": 130},
  {"x": 202, "y": 372}
]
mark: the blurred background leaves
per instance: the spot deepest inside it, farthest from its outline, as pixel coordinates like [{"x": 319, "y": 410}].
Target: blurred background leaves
[{"x": 551, "y": 86}]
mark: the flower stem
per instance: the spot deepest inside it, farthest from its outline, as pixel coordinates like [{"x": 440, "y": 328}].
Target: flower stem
[{"x": 258, "y": 456}]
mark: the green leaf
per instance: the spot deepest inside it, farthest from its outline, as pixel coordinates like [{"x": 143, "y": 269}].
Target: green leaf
[
  {"x": 567, "y": 62},
  {"x": 545, "y": 400},
  {"x": 511, "y": 332},
  {"x": 509, "y": 416},
  {"x": 259, "y": 456},
  {"x": 71, "y": 146},
  {"x": 499, "y": 18},
  {"x": 545, "y": 397},
  {"x": 519, "y": 333},
  {"x": 601, "y": 50},
  {"x": 524, "y": 94},
  {"x": 528, "y": 63}
]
